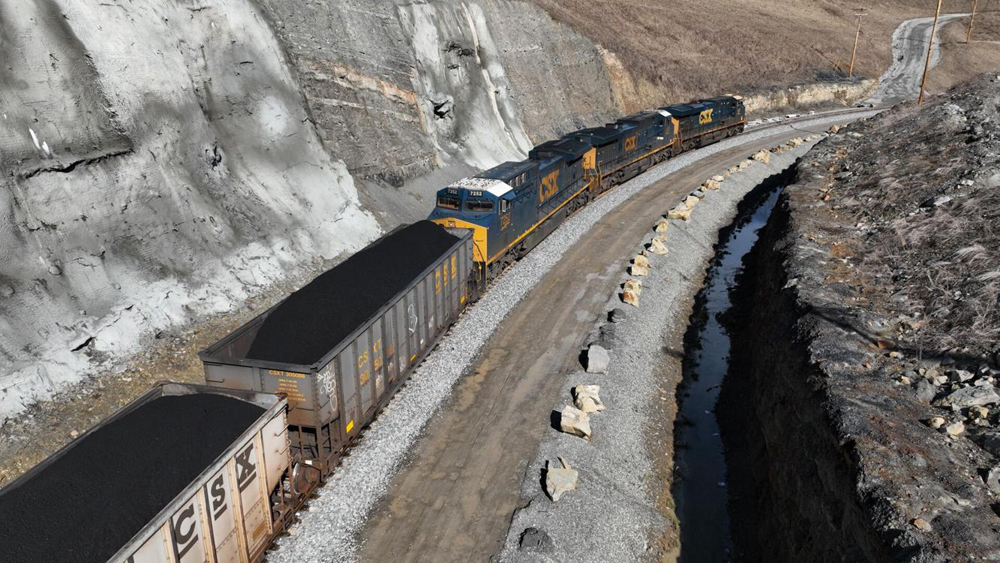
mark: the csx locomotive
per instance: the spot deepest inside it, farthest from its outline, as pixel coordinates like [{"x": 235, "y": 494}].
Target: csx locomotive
[{"x": 514, "y": 206}]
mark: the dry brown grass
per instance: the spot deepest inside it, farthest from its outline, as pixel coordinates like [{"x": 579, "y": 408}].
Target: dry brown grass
[
  {"x": 678, "y": 49},
  {"x": 937, "y": 261}
]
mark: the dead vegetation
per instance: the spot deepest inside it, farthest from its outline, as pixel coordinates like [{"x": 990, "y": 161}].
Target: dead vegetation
[
  {"x": 924, "y": 188},
  {"x": 686, "y": 48}
]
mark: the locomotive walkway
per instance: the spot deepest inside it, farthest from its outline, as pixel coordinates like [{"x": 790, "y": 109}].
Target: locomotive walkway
[{"x": 455, "y": 498}]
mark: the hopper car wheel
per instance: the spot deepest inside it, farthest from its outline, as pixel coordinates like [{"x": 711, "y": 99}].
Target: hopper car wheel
[{"x": 304, "y": 478}]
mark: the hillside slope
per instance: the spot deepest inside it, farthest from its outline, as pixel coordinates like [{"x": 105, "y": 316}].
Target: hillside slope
[{"x": 688, "y": 48}]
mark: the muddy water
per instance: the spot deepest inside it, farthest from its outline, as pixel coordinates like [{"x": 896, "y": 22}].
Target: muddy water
[{"x": 700, "y": 489}]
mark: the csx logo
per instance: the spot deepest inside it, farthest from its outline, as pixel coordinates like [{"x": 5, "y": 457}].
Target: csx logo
[
  {"x": 630, "y": 144},
  {"x": 705, "y": 117},
  {"x": 549, "y": 186}
]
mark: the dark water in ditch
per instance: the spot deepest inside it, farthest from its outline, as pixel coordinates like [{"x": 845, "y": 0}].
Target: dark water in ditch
[{"x": 700, "y": 489}]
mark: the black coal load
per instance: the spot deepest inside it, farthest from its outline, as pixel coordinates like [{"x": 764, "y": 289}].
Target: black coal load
[
  {"x": 88, "y": 503},
  {"x": 314, "y": 319}
]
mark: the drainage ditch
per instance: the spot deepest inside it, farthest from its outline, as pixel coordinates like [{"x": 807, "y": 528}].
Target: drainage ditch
[{"x": 702, "y": 489}]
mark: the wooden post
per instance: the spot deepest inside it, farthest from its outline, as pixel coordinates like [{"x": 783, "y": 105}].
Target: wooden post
[
  {"x": 930, "y": 49},
  {"x": 854, "y": 53},
  {"x": 972, "y": 20}
]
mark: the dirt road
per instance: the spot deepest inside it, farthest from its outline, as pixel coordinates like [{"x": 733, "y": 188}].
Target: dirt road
[
  {"x": 909, "y": 52},
  {"x": 454, "y": 499}
]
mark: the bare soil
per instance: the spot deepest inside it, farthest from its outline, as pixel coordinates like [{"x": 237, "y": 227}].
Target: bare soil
[
  {"x": 688, "y": 48},
  {"x": 960, "y": 60}
]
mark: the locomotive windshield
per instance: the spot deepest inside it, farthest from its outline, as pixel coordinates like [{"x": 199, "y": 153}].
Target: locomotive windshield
[
  {"x": 449, "y": 202},
  {"x": 479, "y": 205}
]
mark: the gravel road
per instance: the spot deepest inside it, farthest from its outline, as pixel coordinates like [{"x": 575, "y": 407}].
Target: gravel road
[
  {"x": 909, "y": 52},
  {"x": 328, "y": 530}
]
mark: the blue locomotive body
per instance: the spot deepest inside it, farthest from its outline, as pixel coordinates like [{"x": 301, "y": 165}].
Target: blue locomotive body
[{"x": 512, "y": 207}]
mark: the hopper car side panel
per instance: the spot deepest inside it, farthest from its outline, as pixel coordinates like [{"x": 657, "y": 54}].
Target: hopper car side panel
[{"x": 330, "y": 402}]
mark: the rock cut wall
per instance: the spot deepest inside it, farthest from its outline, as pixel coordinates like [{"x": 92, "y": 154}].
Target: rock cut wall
[{"x": 158, "y": 165}]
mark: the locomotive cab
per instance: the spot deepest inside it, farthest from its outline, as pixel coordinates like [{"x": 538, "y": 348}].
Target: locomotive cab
[{"x": 483, "y": 205}]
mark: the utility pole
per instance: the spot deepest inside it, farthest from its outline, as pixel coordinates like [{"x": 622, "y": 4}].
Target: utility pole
[
  {"x": 972, "y": 20},
  {"x": 857, "y": 37},
  {"x": 930, "y": 49}
]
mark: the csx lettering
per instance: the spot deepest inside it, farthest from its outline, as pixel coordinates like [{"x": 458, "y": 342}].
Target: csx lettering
[
  {"x": 184, "y": 539},
  {"x": 362, "y": 360},
  {"x": 218, "y": 492},
  {"x": 705, "y": 117},
  {"x": 246, "y": 469},
  {"x": 549, "y": 186},
  {"x": 630, "y": 143}
]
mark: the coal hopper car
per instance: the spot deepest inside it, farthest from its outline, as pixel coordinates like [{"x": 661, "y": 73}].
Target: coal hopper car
[
  {"x": 342, "y": 345},
  {"x": 184, "y": 474}
]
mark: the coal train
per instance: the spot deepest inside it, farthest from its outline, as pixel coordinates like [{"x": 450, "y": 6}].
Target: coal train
[{"x": 311, "y": 372}]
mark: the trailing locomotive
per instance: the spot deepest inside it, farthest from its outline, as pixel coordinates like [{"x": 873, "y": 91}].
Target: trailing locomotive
[{"x": 512, "y": 207}]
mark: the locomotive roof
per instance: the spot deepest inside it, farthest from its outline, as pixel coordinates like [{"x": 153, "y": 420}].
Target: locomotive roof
[
  {"x": 686, "y": 110},
  {"x": 507, "y": 170},
  {"x": 600, "y": 135},
  {"x": 571, "y": 148},
  {"x": 640, "y": 118},
  {"x": 723, "y": 99}
]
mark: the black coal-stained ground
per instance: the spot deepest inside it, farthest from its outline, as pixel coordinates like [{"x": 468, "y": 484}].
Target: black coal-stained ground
[
  {"x": 88, "y": 503},
  {"x": 314, "y": 319}
]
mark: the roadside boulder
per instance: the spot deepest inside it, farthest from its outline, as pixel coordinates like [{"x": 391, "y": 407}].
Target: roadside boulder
[
  {"x": 560, "y": 480},
  {"x": 718, "y": 178},
  {"x": 970, "y": 397},
  {"x": 658, "y": 246},
  {"x": 662, "y": 225},
  {"x": 711, "y": 185},
  {"x": 744, "y": 165},
  {"x": 617, "y": 315},
  {"x": 587, "y": 398},
  {"x": 598, "y": 359},
  {"x": 633, "y": 285},
  {"x": 574, "y": 421},
  {"x": 630, "y": 298},
  {"x": 533, "y": 539},
  {"x": 640, "y": 266},
  {"x": 762, "y": 156},
  {"x": 681, "y": 212},
  {"x": 691, "y": 201}
]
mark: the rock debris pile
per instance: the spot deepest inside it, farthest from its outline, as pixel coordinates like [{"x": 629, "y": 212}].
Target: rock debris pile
[{"x": 883, "y": 262}]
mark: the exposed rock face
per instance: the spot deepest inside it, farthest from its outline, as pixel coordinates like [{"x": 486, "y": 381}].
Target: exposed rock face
[
  {"x": 847, "y": 462},
  {"x": 157, "y": 164},
  {"x": 406, "y": 87},
  {"x": 164, "y": 161}
]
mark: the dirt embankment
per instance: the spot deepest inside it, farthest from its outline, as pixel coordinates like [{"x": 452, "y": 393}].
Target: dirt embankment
[{"x": 867, "y": 388}]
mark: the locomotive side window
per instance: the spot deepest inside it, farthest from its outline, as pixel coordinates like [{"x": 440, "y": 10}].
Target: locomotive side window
[
  {"x": 479, "y": 205},
  {"x": 504, "y": 205}
]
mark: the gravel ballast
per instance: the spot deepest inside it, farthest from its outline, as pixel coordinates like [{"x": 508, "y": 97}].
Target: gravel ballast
[
  {"x": 88, "y": 503},
  {"x": 314, "y": 319},
  {"x": 326, "y": 531}
]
